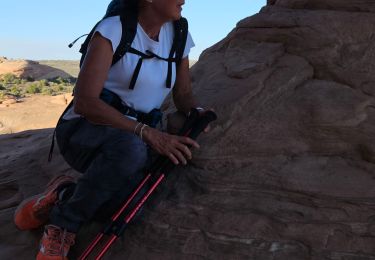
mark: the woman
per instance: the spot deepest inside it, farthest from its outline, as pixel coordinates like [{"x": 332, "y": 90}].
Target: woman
[{"x": 116, "y": 146}]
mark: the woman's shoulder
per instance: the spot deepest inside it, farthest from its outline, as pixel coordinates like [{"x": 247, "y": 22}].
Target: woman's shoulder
[
  {"x": 111, "y": 21},
  {"x": 111, "y": 29}
]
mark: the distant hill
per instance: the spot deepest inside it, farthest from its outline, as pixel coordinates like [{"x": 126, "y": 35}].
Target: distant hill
[
  {"x": 43, "y": 69},
  {"x": 69, "y": 66},
  {"x": 72, "y": 66},
  {"x": 31, "y": 69}
]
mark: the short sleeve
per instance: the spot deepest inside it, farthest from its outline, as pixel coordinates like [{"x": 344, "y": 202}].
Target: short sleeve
[
  {"x": 189, "y": 44},
  {"x": 111, "y": 29}
]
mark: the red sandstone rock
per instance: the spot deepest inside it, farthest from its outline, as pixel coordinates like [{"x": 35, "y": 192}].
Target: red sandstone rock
[{"x": 288, "y": 171}]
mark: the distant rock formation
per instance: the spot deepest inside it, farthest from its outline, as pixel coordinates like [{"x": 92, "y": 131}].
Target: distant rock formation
[
  {"x": 336, "y": 5},
  {"x": 288, "y": 171},
  {"x": 30, "y": 69},
  {"x": 3, "y": 59}
]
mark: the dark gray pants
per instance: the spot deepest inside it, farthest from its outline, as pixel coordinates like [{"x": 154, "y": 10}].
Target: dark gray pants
[{"x": 112, "y": 162}]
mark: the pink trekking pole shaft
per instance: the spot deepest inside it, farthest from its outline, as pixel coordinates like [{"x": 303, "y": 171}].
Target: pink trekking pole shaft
[
  {"x": 200, "y": 125},
  {"x": 184, "y": 131}
]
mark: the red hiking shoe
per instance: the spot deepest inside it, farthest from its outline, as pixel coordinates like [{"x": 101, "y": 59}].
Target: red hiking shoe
[
  {"x": 55, "y": 243},
  {"x": 34, "y": 212}
]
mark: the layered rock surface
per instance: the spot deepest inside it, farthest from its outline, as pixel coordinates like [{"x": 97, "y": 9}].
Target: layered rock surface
[{"x": 288, "y": 171}]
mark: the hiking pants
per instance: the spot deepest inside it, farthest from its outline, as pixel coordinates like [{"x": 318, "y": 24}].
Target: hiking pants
[{"x": 112, "y": 162}]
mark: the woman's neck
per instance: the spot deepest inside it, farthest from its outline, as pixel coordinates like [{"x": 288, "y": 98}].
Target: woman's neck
[{"x": 150, "y": 22}]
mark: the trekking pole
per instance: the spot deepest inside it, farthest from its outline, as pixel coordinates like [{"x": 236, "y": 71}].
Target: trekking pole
[
  {"x": 201, "y": 124},
  {"x": 184, "y": 131}
]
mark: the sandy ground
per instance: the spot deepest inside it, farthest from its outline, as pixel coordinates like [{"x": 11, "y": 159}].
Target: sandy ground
[{"x": 33, "y": 112}]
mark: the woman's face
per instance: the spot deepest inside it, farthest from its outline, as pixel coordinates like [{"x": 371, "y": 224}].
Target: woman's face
[{"x": 169, "y": 9}]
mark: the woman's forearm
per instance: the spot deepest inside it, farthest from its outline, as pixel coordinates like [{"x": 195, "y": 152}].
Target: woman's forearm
[
  {"x": 98, "y": 112},
  {"x": 184, "y": 102}
]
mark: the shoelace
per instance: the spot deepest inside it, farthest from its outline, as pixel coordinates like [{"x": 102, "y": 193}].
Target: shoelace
[
  {"x": 58, "y": 240},
  {"x": 67, "y": 239}
]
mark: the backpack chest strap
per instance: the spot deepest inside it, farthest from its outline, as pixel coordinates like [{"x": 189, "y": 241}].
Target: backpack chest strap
[{"x": 150, "y": 55}]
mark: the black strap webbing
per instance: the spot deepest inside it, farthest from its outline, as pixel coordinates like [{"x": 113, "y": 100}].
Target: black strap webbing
[
  {"x": 144, "y": 56},
  {"x": 129, "y": 29},
  {"x": 182, "y": 30},
  {"x": 54, "y": 132}
]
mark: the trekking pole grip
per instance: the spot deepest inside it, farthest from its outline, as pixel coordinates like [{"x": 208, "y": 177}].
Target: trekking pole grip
[
  {"x": 202, "y": 123},
  {"x": 190, "y": 121}
]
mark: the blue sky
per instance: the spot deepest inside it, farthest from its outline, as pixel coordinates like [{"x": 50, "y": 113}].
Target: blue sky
[{"x": 42, "y": 29}]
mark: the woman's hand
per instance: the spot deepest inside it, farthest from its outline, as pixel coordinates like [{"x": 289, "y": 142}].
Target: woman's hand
[{"x": 173, "y": 146}]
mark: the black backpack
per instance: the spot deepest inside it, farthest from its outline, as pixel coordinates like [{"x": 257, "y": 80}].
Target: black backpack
[{"x": 128, "y": 12}]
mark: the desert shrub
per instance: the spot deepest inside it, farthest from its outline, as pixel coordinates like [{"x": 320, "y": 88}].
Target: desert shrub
[
  {"x": 2, "y": 94},
  {"x": 18, "y": 87},
  {"x": 43, "y": 82},
  {"x": 16, "y": 91},
  {"x": 33, "y": 89},
  {"x": 10, "y": 78},
  {"x": 63, "y": 81},
  {"x": 69, "y": 88},
  {"x": 60, "y": 88},
  {"x": 47, "y": 91},
  {"x": 57, "y": 88},
  {"x": 66, "y": 89},
  {"x": 59, "y": 80}
]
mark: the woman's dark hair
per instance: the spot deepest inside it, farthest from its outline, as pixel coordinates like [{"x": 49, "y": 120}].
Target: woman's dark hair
[{"x": 117, "y": 6}]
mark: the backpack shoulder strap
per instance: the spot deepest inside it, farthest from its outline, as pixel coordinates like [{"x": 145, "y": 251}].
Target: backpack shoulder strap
[
  {"x": 129, "y": 30},
  {"x": 181, "y": 28},
  {"x": 178, "y": 46}
]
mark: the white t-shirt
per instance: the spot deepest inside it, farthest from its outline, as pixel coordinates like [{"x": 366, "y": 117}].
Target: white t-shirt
[{"x": 150, "y": 90}]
